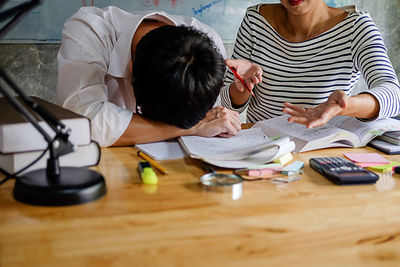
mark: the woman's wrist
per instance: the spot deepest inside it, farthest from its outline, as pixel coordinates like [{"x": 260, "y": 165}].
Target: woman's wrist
[
  {"x": 363, "y": 106},
  {"x": 238, "y": 99}
]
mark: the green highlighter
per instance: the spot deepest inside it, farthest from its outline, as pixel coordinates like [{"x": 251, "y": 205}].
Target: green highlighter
[{"x": 147, "y": 173}]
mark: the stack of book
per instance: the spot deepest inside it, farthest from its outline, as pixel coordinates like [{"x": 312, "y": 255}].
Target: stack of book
[
  {"x": 388, "y": 143},
  {"x": 21, "y": 143}
]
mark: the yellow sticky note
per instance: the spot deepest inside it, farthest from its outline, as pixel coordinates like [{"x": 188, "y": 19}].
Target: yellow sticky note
[
  {"x": 384, "y": 168},
  {"x": 284, "y": 159}
]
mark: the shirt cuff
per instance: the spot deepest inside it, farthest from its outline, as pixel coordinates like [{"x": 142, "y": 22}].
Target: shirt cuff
[
  {"x": 226, "y": 100},
  {"x": 388, "y": 98}
]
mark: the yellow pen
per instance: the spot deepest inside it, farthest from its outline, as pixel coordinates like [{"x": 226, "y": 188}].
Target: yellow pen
[{"x": 152, "y": 162}]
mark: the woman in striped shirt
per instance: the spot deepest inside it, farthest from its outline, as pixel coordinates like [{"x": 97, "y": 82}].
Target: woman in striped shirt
[{"x": 311, "y": 57}]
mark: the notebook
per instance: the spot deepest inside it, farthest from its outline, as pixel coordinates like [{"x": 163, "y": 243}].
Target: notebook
[{"x": 164, "y": 150}]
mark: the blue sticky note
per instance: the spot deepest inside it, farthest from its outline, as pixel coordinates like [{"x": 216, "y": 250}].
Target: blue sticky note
[{"x": 294, "y": 167}]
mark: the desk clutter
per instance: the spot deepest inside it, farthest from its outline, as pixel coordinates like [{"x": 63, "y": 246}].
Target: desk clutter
[
  {"x": 264, "y": 152},
  {"x": 270, "y": 139},
  {"x": 232, "y": 182},
  {"x": 276, "y": 172}
]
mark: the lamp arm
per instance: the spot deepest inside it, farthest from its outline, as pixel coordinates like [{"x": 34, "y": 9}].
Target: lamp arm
[
  {"x": 52, "y": 120},
  {"x": 19, "y": 107},
  {"x": 62, "y": 132}
]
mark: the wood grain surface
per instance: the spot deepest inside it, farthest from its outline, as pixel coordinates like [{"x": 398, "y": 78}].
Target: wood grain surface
[{"x": 310, "y": 222}]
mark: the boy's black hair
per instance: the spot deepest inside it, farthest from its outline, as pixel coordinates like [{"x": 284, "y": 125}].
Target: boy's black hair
[{"x": 177, "y": 75}]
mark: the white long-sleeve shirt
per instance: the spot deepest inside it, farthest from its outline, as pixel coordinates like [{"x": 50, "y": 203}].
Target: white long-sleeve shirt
[
  {"x": 94, "y": 77},
  {"x": 306, "y": 73}
]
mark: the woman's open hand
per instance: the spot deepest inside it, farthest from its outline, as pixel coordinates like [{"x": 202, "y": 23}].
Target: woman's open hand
[{"x": 319, "y": 115}]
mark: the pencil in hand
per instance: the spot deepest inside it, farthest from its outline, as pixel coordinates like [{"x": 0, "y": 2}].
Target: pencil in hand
[{"x": 240, "y": 79}]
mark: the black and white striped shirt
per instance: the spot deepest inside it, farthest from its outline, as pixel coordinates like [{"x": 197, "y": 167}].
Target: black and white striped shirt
[{"x": 306, "y": 73}]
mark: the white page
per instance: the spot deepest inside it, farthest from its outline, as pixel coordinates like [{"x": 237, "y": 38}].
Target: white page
[
  {"x": 365, "y": 131},
  {"x": 278, "y": 148},
  {"x": 297, "y": 130},
  {"x": 211, "y": 146},
  {"x": 164, "y": 150}
]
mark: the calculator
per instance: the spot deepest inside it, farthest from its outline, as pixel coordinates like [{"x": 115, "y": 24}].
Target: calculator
[{"x": 342, "y": 171}]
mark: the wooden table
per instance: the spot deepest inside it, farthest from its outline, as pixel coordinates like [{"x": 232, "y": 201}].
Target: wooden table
[{"x": 310, "y": 222}]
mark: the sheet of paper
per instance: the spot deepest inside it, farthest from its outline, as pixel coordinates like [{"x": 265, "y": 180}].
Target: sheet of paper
[
  {"x": 283, "y": 146},
  {"x": 250, "y": 148},
  {"x": 300, "y": 131},
  {"x": 365, "y": 130},
  {"x": 205, "y": 147},
  {"x": 163, "y": 150}
]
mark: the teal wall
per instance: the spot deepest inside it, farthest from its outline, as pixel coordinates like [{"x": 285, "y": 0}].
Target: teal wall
[{"x": 45, "y": 22}]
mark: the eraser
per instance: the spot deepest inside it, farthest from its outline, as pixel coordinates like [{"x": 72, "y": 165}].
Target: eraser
[{"x": 260, "y": 172}]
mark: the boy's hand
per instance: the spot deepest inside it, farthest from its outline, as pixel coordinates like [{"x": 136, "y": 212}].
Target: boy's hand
[{"x": 219, "y": 121}]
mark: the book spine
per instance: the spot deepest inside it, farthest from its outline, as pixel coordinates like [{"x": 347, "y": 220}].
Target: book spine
[{"x": 83, "y": 156}]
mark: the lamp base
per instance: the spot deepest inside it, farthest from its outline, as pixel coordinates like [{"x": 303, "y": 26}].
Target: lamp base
[{"x": 74, "y": 186}]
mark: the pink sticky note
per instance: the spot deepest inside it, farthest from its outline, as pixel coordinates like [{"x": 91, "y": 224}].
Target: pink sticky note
[
  {"x": 260, "y": 173},
  {"x": 369, "y": 164},
  {"x": 366, "y": 157}
]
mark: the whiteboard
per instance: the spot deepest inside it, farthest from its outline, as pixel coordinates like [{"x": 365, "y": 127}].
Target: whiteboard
[{"x": 44, "y": 23}]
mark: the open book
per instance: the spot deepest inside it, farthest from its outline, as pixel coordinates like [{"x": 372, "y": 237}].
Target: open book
[
  {"x": 341, "y": 131},
  {"x": 250, "y": 148}
]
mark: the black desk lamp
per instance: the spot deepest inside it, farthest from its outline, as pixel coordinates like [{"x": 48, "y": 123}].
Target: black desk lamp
[{"x": 55, "y": 185}]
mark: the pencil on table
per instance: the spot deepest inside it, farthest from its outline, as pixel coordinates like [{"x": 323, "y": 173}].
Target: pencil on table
[{"x": 152, "y": 162}]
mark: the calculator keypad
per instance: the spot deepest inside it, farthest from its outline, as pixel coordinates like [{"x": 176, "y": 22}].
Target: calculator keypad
[{"x": 342, "y": 171}]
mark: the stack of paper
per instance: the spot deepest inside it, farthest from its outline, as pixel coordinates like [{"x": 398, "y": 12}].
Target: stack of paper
[{"x": 250, "y": 148}]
